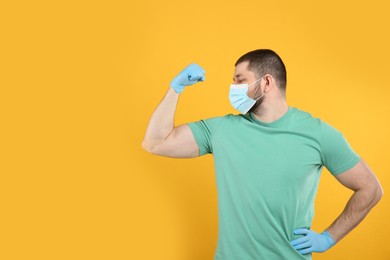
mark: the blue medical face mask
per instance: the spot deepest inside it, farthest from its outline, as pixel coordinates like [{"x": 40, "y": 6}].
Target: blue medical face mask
[{"x": 239, "y": 99}]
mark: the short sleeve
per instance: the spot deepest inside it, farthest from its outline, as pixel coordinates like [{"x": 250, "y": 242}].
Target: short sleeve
[
  {"x": 203, "y": 131},
  {"x": 336, "y": 153}
]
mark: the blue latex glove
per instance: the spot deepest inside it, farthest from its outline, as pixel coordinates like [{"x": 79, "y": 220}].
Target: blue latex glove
[
  {"x": 190, "y": 75},
  {"x": 312, "y": 241}
]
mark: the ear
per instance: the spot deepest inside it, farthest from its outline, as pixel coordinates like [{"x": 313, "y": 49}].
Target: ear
[
  {"x": 268, "y": 79},
  {"x": 268, "y": 82}
]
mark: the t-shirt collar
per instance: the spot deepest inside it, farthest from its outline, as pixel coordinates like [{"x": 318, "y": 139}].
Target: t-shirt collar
[{"x": 275, "y": 123}]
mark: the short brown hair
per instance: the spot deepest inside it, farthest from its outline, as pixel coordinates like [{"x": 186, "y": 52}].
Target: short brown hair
[{"x": 263, "y": 61}]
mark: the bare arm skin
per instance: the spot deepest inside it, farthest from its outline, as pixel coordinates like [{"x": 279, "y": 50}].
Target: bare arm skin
[
  {"x": 163, "y": 138},
  {"x": 367, "y": 193}
]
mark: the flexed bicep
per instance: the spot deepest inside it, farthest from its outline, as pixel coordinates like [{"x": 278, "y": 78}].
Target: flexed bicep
[{"x": 180, "y": 143}]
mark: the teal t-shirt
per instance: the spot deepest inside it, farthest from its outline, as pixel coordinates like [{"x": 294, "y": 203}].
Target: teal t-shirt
[{"x": 267, "y": 176}]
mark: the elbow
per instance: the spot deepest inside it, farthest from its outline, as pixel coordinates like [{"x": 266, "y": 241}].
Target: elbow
[
  {"x": 149, "y": 147},
  {"x": 379, "y": 192},
  {"x": 146, "y": 147}
]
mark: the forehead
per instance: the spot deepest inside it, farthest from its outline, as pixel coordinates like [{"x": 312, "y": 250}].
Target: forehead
[{"x": 241, "y": 70}]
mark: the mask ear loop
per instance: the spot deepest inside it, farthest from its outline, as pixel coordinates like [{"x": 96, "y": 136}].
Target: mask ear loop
[
  {"x": 260, "y": 97},
  {"x": 255, "y": 81},
  {"x": 263, "y": 93}
]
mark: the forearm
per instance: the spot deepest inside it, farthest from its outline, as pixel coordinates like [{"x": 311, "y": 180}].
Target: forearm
[
  {"x": 361, "y": 202},
  {"x": 162, "y": 121}
]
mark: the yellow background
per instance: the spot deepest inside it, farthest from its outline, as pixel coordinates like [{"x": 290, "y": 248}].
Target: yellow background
[{"x": 80, "y": 79}]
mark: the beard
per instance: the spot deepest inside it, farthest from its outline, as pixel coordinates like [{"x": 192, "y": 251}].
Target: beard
[{"x": 256, "y": 105}]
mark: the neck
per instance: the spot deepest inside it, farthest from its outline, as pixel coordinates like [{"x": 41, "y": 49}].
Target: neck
[{"x": 270, "y": 112}]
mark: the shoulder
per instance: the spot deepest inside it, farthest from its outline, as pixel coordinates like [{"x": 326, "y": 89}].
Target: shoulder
[
  {"x": 323, "y": 129},
  {"x": 304, "y": 118},
  {"x": 225, "y": 118},
  {"x": 309, "y": 122},
  {"x": 209, "y": 123},
  {"x": 219, "y": 118}
]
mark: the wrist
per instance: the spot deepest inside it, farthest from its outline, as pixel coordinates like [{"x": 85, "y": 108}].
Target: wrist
[
  {"x": 173, "y": 91},
  {"x": 177, "y": 88},
  {"x": 329, "y": 238}
]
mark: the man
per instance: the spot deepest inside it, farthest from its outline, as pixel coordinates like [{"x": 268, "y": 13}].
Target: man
[{"x": 268, "y": 160}]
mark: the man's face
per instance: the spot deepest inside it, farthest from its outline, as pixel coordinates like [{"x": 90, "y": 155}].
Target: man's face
[{"x": 244, "y": 76}]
